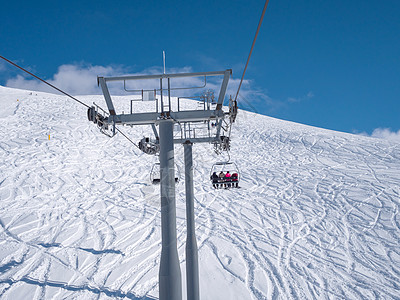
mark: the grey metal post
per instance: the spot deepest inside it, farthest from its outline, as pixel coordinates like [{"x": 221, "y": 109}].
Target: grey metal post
[
  {"x": 161, "y": 96},
  {"x": 192, "y": 265},
  {"x": 170, "y": 285},
  {"x": 169, "y": 95}
]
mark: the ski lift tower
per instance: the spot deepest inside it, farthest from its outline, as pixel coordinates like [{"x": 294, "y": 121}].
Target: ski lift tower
[{"x": 207, "y": 125}]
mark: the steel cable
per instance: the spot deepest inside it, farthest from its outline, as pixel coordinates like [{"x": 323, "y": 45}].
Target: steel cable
[
  {"x": 44, "y": 81},
  {"x": 252, "y": 46},
  {"x": 61, "y": 91}
]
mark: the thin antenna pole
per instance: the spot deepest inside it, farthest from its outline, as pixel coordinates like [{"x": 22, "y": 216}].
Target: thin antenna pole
[
  {"x": 163, "y": 53},
  {"x": 252, "y": 46}
]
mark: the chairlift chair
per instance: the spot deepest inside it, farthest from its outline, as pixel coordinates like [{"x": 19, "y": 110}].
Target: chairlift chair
[
  {"x": 155, "y": 174},
  {"x": 149, "y": 146},
  {"x": 225, "y": 167}
]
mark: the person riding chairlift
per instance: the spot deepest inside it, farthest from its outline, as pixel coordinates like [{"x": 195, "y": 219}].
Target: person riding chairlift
[
  {"x": 221, "y": 179},
  {"x": 214, "y": 177},
  {"x": 234, "y": 179},
  {"x": 227, "y": 179}
]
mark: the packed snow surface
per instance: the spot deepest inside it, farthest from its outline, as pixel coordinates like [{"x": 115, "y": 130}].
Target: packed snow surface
[{"x": 316, "y": 217}]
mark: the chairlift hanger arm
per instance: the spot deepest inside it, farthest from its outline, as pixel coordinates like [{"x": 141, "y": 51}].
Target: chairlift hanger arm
[{"x": 153, "y": 126}]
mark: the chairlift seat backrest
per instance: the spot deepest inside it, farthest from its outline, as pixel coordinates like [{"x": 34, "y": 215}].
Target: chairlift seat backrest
[{"x": 155, "y": 174}]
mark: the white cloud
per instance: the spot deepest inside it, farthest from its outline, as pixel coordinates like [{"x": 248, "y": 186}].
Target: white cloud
[
  {"x": 73, "y": 79},
  {"x": 386, "y": 133},
  {"x": 251, "y": 96},
  {"x": 81, "y": 79},
  {"x": 309, "y": 95}
]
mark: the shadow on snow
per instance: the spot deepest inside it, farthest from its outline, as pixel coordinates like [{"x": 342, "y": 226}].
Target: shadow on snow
[
  {"x": 73, "y": 288},
  {"x": 90, "y": 250}
]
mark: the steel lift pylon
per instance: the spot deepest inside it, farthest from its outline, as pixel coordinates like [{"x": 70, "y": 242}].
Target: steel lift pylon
[{"x": 170, "y": 286}]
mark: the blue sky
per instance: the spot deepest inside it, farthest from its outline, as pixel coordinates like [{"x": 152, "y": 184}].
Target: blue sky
[{"x": 330, "y": 64}]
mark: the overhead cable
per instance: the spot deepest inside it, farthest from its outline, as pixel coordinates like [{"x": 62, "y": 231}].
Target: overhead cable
[
  {"x": 44, "y": 81},
  {"x": 252, "y": 46},
  {"x": 126, "y": 137},
  {"x": 61, "y": 91}
]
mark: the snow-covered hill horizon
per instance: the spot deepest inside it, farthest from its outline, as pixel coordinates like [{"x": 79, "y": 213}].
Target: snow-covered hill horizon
[{"x": 316, "y": 217}]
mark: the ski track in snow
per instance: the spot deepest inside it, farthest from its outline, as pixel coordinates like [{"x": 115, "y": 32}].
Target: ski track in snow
[{"x": 316, "y": 217}]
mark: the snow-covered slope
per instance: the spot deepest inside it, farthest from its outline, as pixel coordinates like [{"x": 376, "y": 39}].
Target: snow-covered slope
[{"x": 317, "y": 216}]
